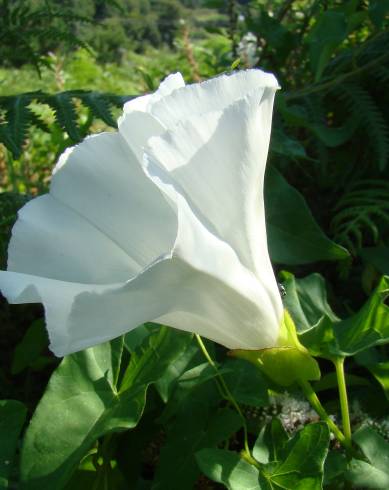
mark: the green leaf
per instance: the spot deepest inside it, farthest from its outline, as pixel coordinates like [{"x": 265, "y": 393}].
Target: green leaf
[
  {"x": 303, "y": 462},
  {"x": 246, "y": 383},
  {"x": 378, "y": 257},
  {"x": 271, "y": 442},
  {"x": 378, "y": 10},
  {"x": 228, "y": 468},
  {"x": 275, "y": 33},
  {"x": 366, "y": 328},
  {"x": 306, "y": 300},
  {"x": 167, "y": 383},
  {"x": 381, "y": 373},
  {"x": 283, "y": 144},
  {"x": 12, "y": 417},
  {"x": 189, "y": 381},
  {"x": 132, "y": 444},
  {"x": 135, "y": 338},
  {"x": 374, "y": 474},
  {"x": 199, "y": 424},
  {"x": 333, "y": 137},
  {"x": 326, "y": 35},
  {"x": 335, "y": 467},
  {"x": 84, "y": 401},
  {"x": 30, "y": 347},
  {"x": 294, "y": 236},
  {"x": 367, "y": 476}
]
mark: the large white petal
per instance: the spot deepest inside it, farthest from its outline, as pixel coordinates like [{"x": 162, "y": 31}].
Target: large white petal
[
  {"x": 101, "y": 179},
  {"x": 144, "y": 103},
  {"x": 51, "y": 240},
  {"x": 227, "y": 302},
  {"x": 217, "y": 162},
  {"x": 200, "y": 286},
  {"x": 218, "y": 282},
  {"x": 174, "y": 101},
  {"x": 209, "y": 96},
  {"x": 56, "y": 296},
  {"x": 136, "y": 124},
  {"x": 79, "y": 315}
]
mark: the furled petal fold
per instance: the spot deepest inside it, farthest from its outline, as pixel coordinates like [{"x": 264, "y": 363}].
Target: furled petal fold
[
  {"x": 137, "y": 124},
  {"x": 218, "y": 167},
  {"x": 162, "y": 221}
]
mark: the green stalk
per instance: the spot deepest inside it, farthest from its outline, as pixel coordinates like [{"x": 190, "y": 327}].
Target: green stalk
[
  {"x": 339, "y": 366},
  {"x": 227, "y": 394},
  {"x": 320, "y": 410}
]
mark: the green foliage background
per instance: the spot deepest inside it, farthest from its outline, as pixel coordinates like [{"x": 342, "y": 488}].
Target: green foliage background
[{"x": 66, "y": 68}]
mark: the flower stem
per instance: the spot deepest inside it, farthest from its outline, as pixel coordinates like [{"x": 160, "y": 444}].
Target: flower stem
[
  {"x": 339, "y": 367},
  {"x": 226, "y": 392},
  {"x": 318, "y": 407}
]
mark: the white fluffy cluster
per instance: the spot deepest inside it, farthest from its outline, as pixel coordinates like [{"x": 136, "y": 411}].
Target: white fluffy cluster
[
  {"x": 294, "y": 413},
  {"x": 248, "y": 49}
]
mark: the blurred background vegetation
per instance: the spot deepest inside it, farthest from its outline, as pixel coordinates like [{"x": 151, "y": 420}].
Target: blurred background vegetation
[{"x": 67, "y": 67}]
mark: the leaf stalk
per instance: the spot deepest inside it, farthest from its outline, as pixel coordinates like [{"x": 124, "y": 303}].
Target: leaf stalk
[
  {"x": 339, "y": 367},
  {"x": 320, "y": 410}
]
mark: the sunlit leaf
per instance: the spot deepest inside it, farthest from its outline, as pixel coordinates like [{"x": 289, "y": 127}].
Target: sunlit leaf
[
  {"x": 303, "y": 461},
  {"x": 228, "y": 468},
  {"x": 85, "y": 399}
]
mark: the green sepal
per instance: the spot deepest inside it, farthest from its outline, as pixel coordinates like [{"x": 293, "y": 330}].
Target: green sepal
[
  {"x": 287, "y": 363},
  {"x": 288, "y": 333}
]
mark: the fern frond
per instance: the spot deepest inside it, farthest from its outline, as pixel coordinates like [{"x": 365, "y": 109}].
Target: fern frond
[
  {"x": 360, "y": 213},
  {"x": 35, "y": 29},
  {"x": 382, "y": 73},
  {"x": 18, "y": 114},
  {"x": 8, "y": 141},
  {"x": 65, "y": 114},
  {"x": 100, "y": 106},
  {"x": 38, "y": 122},
  {"x": 371, "y": 120}
]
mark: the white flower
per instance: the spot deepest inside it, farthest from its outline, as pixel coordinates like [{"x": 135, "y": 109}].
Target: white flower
[
  {"x": 248, "y": 49},
  {"x": 162, "y": 221}
]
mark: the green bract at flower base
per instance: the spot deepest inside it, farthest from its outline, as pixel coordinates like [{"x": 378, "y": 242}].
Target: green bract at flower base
[{"x": 286, "y": 364}]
